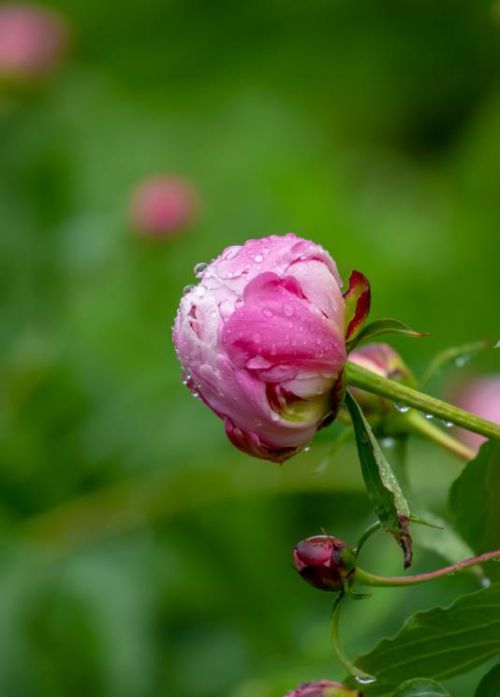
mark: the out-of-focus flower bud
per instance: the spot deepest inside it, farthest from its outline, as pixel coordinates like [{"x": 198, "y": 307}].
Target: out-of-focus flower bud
[
  {"x": 383, "y": 360},
  {"x": 323, "y": 688},
  {"x": 261, "y": 340},
  {"x": 163, "y": 205},
  {"x": 481, "y": 397},
  {"x": 325, "y": 562},
  {"x": 32, "y": 40}
]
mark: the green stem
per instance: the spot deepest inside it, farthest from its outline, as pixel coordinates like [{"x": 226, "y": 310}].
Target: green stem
[
  {"x": 395, "y": 391},
  {"x": 370, "y": 579},
  {"x": 421, "y": 426},
  {"x": 353, "y": 670}
]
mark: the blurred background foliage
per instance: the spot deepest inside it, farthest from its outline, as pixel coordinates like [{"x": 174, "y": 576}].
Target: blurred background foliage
[{"x": 141, "y": 554}]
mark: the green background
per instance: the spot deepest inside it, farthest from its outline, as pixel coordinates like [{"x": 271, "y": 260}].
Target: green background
[{"x": 141, "y": 554}]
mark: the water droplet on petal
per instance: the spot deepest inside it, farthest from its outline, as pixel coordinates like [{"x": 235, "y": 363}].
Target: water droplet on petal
[
  {"x": 200, "y": 291},
  {"x": 187, "y": 289},
  {"x": 231, "y": 252},
  {"x": 200, "y": 269},
  {"x": 258, "y": 258},
  {"x": 287, "y": 310},
  {"x": 267, "y": 312}
]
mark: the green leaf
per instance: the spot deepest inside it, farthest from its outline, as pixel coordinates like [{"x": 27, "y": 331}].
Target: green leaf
[
  {"x": 383, "y": 326},
  {"x": 490, "y": 684},
  {"x": 443, "y": 541},
  {"x": 357, "y": 299},
  {"x": 438, "y": 643},
  {"x": 421, "y": 687},
  {"x": 455, "y": 354},
  {"x": 381, "y": 483},
  {"x": 474, "y": 502}
]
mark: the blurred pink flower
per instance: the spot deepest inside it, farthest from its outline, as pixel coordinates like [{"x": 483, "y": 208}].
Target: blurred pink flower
[
  {"x": 481, "y": 397},
  {"x": 32, "y": 39},
  {"x": 323, "y": 688},
  {"x": 163, "y": 205},
  {"x": 261, "y": 340}
]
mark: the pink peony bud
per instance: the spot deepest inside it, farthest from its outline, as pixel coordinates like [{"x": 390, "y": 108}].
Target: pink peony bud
[
  {"x": 383, "y": 360},
  {"x": 324, "y": 561},
  {"x": 163, "y": 205},
  {"x": 481, "y": 397},
  {"x": 32, "y": 39},
  {"x": 261, "y": 340},
  {"x": 323, "y": 688}
]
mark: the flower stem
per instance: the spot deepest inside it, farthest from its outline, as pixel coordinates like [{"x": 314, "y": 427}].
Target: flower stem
[
  {"x": 421, "y": 426},
  {"x": 366, "y": 380},
  {"x": 353, "y": 670},
  {"x": 370, "y": 579}
]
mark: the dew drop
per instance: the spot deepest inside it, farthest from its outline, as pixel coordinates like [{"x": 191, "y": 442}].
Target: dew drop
[
  {"x": 187, "y": 289},
  {"x": 258, "y": 258},
  {"x": 485, "y": 582},
  {"x": 287, "y": 310},
  {"x": 200, "y": 291},
  {"x": 402, "y": 408},
  {"x": 307, "y": 448},
  {"x": 462, "y": 361},
  {"x": 447, "y": 424},
  {"x": 429, "y": 417},
  {"x": 365, "y": 679},
  {"x": 267, "y": 312},
  {"x": 200, "y": 269},
  {"x": 388, "y": 442},
  {"x": 257, "y": 338},
  {"x": 231, "y": 252}
]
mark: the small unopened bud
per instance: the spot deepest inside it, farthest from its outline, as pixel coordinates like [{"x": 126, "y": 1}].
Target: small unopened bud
[
  {"x": 163, "y": 205},
  {"x": 480, "y": 396},
  {"x": 325, "y": 562},
  {"x": 323, "y": 688},
  {"x": 383, "y": 360}
]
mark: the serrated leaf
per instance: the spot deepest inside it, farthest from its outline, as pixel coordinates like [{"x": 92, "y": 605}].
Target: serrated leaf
[
  {"x": 381, "y": 483},
  {"x": 490, "y": 684},
  {"x": 438, "y": 643},
  {"x": 357, "y": 299},
  {"x": 383, "y": 326},
  {"x": 474, "y": 502},
  {"x": 421, "y": 687}
]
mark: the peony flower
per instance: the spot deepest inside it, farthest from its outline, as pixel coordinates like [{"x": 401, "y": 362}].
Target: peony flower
[
  {"x": 32, "y": 39},
  {"x": 383, "y": 360},
  {"x": 324, "y": 561},
  {"x": 262, "y": 341},
  {"x": 482, "y": 397},
  {"x": 323, "y": 688},
  {"x": 163, "y": 205}
]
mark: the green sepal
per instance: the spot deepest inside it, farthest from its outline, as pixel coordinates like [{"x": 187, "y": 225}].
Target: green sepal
[{"x": 384, "y": 491}]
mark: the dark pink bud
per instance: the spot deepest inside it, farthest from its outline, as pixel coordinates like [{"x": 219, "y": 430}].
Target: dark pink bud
[
  {"x": 325, "y": 562},
  {"x": 323, "y": 688},
  {"x": 163, "y": 205},
  {"x": 32, "y": 39}
]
